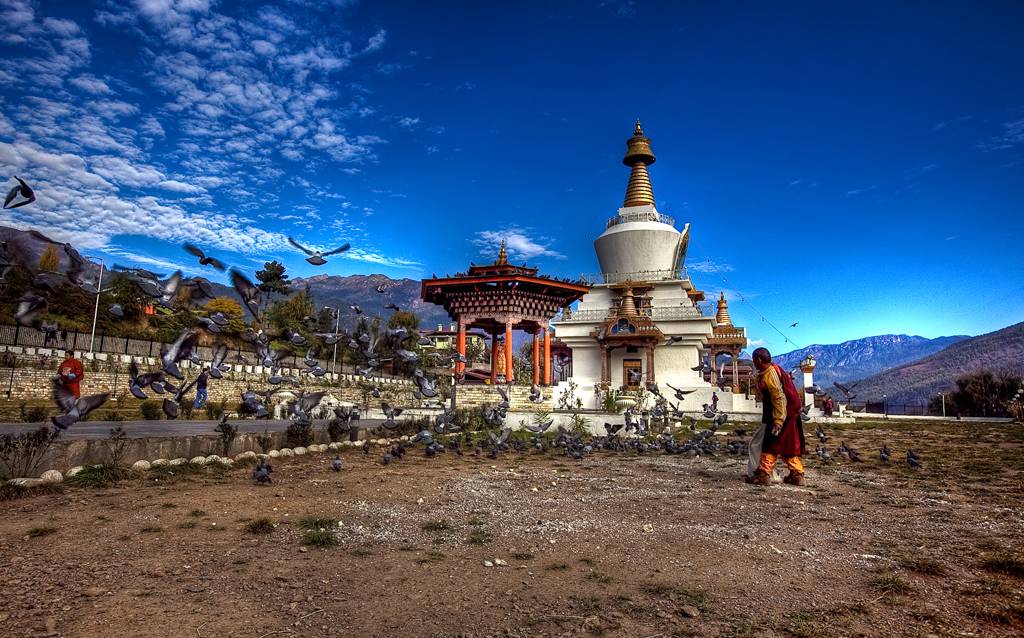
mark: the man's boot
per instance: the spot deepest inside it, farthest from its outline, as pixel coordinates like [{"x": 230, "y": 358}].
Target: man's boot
[
  {"x": 794, "y": 478},
  {"x": 760, "y": 477}
]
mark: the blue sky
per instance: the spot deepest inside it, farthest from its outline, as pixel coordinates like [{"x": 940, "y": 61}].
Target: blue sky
[{"x": 857, "y": 169}]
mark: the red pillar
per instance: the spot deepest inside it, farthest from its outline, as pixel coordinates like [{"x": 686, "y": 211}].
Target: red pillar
[
  {"x": 536, "y": 358},
  {"x": 508, "y": 351},
  {"x": 460, "y": 345},
  {"x": 547, "y": 356},
  {"x": 494, "y": 358}
]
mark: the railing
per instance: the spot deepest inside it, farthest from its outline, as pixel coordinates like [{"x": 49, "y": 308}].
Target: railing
[
  {"x": 657, "y": 314},
  {"x": 639, "y": 276},
  {"x": 79, "y": 342},
  {"x": 645, "y": 216}
]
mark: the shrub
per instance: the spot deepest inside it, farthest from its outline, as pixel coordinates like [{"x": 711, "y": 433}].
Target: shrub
[
  {"x": 185, "y": 410},
  {"x": 151, "y": 410},
  {"x": 34, "y": 414},
  {"x": 334, "y": 431},
  {"x": 21, "y": 454},
  {"x": 117, "y": 445},
  {"x": 228, "y": 432},
  {"x": 265, "y": 441},
  {"x": 317, "y": 523},
  {"x": 99, "y": 476},
  {"x": 214, "y": 410},
  {"x": 299, "y": 434},
  {"x": 260, "y": 526}
]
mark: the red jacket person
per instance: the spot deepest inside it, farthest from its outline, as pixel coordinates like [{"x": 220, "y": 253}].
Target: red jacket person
[
  {"x": 71, "y": 373},
  {"x": 784, "y": 436}
]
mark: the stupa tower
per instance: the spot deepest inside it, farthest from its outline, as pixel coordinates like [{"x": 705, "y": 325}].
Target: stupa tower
[{"x": 640, "y": 243}]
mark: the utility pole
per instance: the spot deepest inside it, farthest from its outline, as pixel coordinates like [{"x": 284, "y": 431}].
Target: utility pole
[{"x": 96, "y": 309}]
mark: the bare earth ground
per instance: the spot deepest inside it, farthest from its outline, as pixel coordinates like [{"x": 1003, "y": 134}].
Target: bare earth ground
[{"x": 614, "y": 545}]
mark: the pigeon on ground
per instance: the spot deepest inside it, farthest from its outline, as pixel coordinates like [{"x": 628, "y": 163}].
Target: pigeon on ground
[
  {"x": 336, "y": 464},
  {"x": 913, "y": 460},
  {"x": 883, "y": 456},
  {"x": 262, "y": 471}
]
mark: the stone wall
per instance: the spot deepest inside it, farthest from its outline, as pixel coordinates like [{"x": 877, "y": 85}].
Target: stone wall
[{"x": 26, "y": 376}]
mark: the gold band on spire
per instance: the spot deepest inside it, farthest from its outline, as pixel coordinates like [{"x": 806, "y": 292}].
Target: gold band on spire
[
  {"x": 638, "y": 156},
  {"x": 502, "y": 255}
]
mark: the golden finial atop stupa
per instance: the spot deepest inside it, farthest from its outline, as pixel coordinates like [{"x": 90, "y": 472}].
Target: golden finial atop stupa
[
  {"x": 638, "y": 156},
  {"x": 502, "y": 255},
  {"x": 722, "y": 318}
]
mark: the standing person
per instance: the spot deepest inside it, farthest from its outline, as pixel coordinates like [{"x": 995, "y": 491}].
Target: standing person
[
  {"x": 784, "y": 434},
  {"x": 714, "y": 401},
  {"x": 70, "y": 373},
  {"x": 201, "y": 395}
]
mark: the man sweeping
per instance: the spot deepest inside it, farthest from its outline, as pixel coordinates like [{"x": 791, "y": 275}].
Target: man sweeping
[{"x": 784, "y": 434}]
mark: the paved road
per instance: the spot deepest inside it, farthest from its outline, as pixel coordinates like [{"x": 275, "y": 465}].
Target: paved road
[{"x": 138, "y": 429}]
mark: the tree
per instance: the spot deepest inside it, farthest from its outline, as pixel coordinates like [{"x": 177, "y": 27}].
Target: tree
[
  {"x": 273, "y": 280},
  {"x": 980, "y": 394},
  {"x": 230, "y": 309},
  {"x": 404, "y": 319},
  {"x": 49, "y": 261},
  {"x": 291, "y": 312}
]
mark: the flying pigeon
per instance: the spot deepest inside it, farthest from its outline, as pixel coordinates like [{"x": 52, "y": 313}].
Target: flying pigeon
[
  {"x": 23, "y": 189},
  {"x": 203, "y": 259},
  {"x": 316, "y": 258},
  {"x": 73, "y": 409}
]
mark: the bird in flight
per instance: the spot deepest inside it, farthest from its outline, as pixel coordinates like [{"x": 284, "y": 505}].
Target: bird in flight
[
  {"x": 203, "y": 259},
  {"x": 793, "y": 325},
  {"x": 22, "y": 189},
  {"x": 316, "y": 257}
]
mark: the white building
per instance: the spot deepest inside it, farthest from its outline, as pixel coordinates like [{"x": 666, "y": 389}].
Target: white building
[{"x": 641, "y": 321}]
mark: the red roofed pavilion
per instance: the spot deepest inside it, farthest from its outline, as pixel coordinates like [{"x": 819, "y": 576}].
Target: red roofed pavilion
[{"x": 499, "y": 298}]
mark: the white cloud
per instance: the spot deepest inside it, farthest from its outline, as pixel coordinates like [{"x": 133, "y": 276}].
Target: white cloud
[
  {"x": 707, "y": 265},
  {"x": 517, "y": 242},
  {"x": 408, "y": 122},
  {"x": 1011, "y": 136},
  {"x": 91, "y": 84}
]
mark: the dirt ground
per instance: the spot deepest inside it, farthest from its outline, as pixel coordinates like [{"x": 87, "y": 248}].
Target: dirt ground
[{"x": 614, "y": 545}]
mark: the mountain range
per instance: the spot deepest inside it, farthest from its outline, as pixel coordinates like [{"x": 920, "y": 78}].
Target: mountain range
[
  {"x": 339, "y": 292},
  {"x": 861, "y": 358},
  {"x": 921, "y": 380}
]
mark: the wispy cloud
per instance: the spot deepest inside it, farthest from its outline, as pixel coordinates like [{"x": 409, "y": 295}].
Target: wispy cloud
[
  {"x": 861, "y": 191},
  {"x": 518, "y": 243},
  {"x": 708, "y": 265},
  {"x": 1011, "y": 136}
]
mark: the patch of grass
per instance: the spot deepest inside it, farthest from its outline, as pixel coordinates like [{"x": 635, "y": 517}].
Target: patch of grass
[
  {"x": 435, "y": 526},
  {"x": 430, "y": 557},
  {"x": 260, "y": 526},
  {"x": 475, "y": 521},
  {"x": 319, "y": 538},
  {"x": 923, "y": 565},
  {"x": 1002, "y": 614},
  {"x": 152, "y": 529},
  {"x": 317, "y": 523},
  {"x": 10, "y": 492},
  {"x": 599, "y": 578},
  {"x": 97, "y": 476},
  {"x": 1004, "y": 563},
  {"x": 522, "y": 556},
  {"x": 197, "y": 513},
  {"x": 36, "y": 532},
  {"x": 699, "y": 598},
  {"x": 479, "y": 537},
  {"x": 556, "y": 567},
  {"x": 360, "y": 552},
  {"x": 889, "y": 583},
  {"x": 187, "y": 525},
  {"x": 168, "y": 506}
]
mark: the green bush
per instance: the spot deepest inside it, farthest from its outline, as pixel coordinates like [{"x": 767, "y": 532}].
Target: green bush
[
  {"x": 299, "y": 434},
  {"x": 99, "y": 476},
  {"x": 214, "y": 410},
  {"x": 35, "y": 414},
  {"x": 151, "y": 410}
]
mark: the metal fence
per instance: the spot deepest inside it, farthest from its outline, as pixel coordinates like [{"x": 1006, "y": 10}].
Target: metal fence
[
  {"x": 80, "y": 342},
  {"x": 879, "y": 407}
]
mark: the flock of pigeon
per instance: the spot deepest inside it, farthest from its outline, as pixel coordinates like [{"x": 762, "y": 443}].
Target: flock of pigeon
[{"x": 169, "y": 381}]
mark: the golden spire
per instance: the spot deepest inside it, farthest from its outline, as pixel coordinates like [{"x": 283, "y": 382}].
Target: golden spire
[
  {"x": 638, "y": 156},
  {"x": 722, "y": 318},
  {"x": 502, "y": 255}
]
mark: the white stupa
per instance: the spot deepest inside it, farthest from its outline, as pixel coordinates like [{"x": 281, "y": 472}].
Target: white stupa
[{"x": 641, "y": 322}]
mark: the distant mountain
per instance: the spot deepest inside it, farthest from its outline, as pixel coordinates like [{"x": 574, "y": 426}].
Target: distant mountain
[
  {"x": 919, "y": 381},
  {"x": 340, "y": 292},
  {"x": 865, "y": 357}
]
